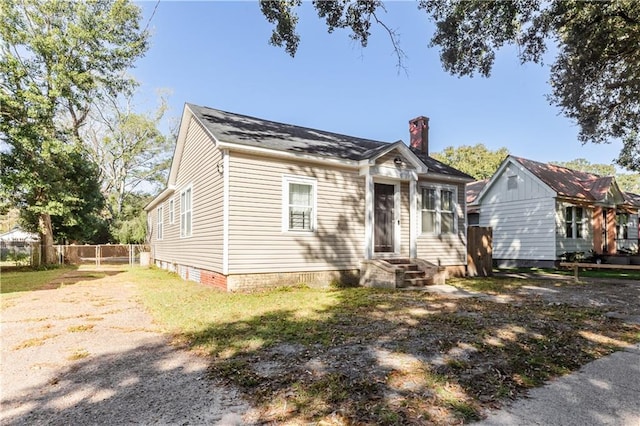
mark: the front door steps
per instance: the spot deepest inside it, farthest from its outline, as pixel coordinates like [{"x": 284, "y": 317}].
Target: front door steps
[{"x": 400, "y": 273}]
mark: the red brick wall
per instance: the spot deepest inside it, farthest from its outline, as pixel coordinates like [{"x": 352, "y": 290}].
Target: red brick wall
[{"x": 213, "y": 279}]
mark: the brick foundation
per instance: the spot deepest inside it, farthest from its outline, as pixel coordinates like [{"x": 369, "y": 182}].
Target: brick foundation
[
  {"x": 213, "y": 279},
  {"x": 320, "y": 279}
]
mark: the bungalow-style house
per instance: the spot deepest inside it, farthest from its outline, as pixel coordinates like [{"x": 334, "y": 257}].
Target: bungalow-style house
[
  {"x": 539, "y": 212},
  {"x": 252, "y": 203}
]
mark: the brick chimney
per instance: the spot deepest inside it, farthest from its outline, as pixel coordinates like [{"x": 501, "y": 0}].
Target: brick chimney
[{"x": 419, "y": 134}]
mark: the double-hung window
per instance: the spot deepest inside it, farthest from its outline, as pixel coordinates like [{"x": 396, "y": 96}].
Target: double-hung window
[
  {"x": 172, "y": 218},
  {"x": 438, "y": 210},
  {"x": 299, "y": 204},
  {"x": 185, "y": 212},
  {"x": 622, "y": 226},
  {"x": 574, "y": 222},
  {"x": 160, "y": 222}
]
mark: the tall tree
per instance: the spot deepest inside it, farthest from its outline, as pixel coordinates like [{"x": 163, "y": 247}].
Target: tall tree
[
  {"x": 128, "y": 147},
  {"x": 56, "y": 57},
  {"x": 477, "y": 161},
  {"x": 595, "y": 79}
]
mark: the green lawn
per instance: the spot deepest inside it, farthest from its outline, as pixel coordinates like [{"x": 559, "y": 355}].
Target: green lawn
[
  {"x": 369, "y": 356},
  {"x": 376, "y": 356},
  {"x": 590, "y": 273},
  {"x": 27, "y": 279}
]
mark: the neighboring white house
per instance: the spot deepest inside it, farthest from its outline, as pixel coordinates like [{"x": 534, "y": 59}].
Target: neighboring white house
[
  {"x": 17, "y": 234},
  {"x": 540, "y": 211},
  {"x": 255, "y": 203}
]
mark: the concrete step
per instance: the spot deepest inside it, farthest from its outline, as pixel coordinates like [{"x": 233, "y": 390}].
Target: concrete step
[
  {"x": 416, "y": 273},
  {"x": 397, "y": 261},
  {"x": 417, "y": 282}
]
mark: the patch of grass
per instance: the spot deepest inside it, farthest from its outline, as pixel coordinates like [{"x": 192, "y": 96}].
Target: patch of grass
[
  {"x": 80, "y": 328},
  {"x": 78, "y": 354},
  {"x": 495, "y": 285},
  {"x": 602, "y": 273},
  {"x": 35, "y": 341},
  {"x": 375, "y": 356},
  {"x": 28, "y": 279}
]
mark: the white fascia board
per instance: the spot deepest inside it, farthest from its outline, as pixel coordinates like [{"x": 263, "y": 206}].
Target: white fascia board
[
  {"x": 179, "y": 149},
  {"x": 288, "y": 155},
  {"x": 446, "y": 178},
  {"x": 404, "y": 150},
  {"x": 498, "y": 173},
  {"x": 164, "y": 194}
]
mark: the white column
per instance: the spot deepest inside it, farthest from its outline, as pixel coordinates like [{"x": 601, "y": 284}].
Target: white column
[
  {"x": 368, "y": 217},
  {"x": 413, "y": 218},
  {"x": 225, "y": 212}
]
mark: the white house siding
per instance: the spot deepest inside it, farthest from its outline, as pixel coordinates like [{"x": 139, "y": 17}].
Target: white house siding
[
  {"x": 198, "y": 169},
  {"x": 257, "y": 242},
  {"x": 445, "y": 249},
  {"x": 523, "y": 218},
  {"x": 572, "y": 245}
]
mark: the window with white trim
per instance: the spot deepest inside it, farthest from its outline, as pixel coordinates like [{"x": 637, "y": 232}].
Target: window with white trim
[
  {"x": 622, "y": 226},
  {"x": 438, "y": 210},
  {"x": 299, "y": 204},
  {"x": 575, "y": 222},
  {"x": 160, "y": 222},
  {"x": 186, "y": 212},
  {"x": 172, "y": 218}
]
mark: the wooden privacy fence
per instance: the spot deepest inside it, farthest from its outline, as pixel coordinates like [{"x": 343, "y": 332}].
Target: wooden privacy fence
[
  {"x": 479, "y": 251},
  {"x": 101, "y": 254}
]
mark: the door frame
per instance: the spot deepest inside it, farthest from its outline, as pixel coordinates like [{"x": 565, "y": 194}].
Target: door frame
[{"x": 397, "y": 227}]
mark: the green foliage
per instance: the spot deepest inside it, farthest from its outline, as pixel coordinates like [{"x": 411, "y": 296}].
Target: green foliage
[
  {"x": 595, "y": 79},
  {"x": 56, "y": 59},
  {"x": 130, "y": 227},
  {"x": 476, "y": 161},
  {"x": 584, "y": 165}
]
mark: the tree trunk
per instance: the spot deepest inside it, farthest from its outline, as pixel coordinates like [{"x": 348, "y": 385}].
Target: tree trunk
[{"x": 46, "y": 239}]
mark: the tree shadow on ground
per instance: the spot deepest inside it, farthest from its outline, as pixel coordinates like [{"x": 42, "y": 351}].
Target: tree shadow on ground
[
  {"x": 379, "y": 357},
  {"x": 149, "y": 384}
]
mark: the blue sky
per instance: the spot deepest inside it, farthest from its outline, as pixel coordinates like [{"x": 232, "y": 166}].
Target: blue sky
[{"x": 217, "y": 54}]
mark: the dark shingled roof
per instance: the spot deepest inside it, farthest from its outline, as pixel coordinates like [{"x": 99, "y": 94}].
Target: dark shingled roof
[
  {"x": 256, "y": 132},
  {"x": 473, "y": 189}
]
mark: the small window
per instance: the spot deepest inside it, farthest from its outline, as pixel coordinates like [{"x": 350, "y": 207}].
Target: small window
[
  {"x": 512, "y": 182},
  {"x": 299, "y": 206},
  {"x": 160, "y": 223},
  {"x": 579, "y": 214},
  {"x": 428, "y": 210},
  {"x": 185, "y": 213},
  {"x": 172, "y": 218},
  {"x": 446, "y": 199},
  {"x": 568, "y": 217},
  {"x": 575, "y": 222},
  {"x": 622, "y": 226},
  {"x": 438, "y": 210}
]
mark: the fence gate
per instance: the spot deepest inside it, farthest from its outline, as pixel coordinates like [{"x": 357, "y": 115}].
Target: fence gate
[
  {"x": 479, "y": 251},
  {"x": 101, "y": 254}
]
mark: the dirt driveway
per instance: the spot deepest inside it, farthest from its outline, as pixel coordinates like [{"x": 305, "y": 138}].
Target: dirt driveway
[{"x": 87, "y": 353}]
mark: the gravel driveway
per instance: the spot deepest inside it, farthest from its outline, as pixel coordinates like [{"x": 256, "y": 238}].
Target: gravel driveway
[{"x": 88, "y": 353}]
